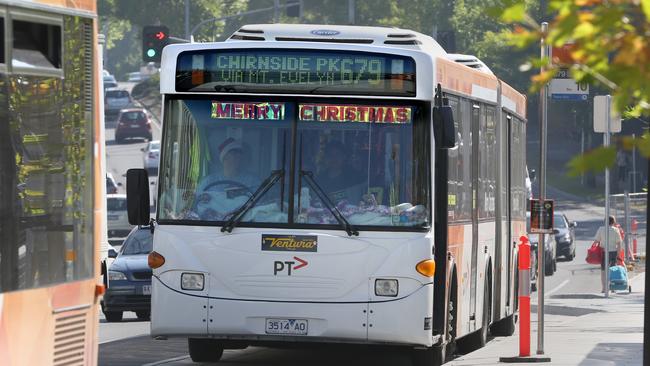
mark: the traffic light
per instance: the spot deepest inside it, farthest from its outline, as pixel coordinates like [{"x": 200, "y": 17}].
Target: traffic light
[
  {"x": 293, "y": 8},
  {"x": 154, "y": 38}
]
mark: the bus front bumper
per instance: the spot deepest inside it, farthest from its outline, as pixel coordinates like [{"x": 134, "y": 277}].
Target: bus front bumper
[{"x": 403, "y": 321}]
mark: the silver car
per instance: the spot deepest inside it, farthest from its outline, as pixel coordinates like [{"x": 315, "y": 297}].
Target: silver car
[{"x": 151, "y": 155}]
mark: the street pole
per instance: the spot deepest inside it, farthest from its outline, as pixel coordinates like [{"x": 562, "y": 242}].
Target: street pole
[
  {"x": 351, "y": 15},
  {"x": 276, "y": 11},
  {"x": 634, "y": 165},
  {"x": 646, "y": 303},
  {"x": 606, "y": 143},
  {"x": 187, "y": 19},
  {"x": 582, "y": 152},
  {"x": 543, "y": 105}
]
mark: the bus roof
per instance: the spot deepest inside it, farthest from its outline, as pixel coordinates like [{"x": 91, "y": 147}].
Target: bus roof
[{"x": 392, "y": 37}]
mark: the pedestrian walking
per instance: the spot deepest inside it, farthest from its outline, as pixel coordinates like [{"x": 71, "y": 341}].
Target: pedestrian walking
[{"x": 615, "y": 245}]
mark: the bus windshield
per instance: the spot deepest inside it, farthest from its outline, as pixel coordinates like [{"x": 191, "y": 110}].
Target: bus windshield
[{"x": 368, "y": 161}]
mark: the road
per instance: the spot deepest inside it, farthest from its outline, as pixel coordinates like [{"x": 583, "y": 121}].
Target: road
[{"x": 128, "y": 342}]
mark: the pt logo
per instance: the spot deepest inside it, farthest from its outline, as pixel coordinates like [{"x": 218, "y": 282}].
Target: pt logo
[{"x": 281, "y": 266}]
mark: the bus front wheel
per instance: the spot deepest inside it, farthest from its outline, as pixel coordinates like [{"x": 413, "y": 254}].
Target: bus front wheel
[{"x": 204, "y": 350}]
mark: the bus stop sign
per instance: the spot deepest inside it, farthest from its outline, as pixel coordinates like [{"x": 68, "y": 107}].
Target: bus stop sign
[{"x": 541, "y": 216}]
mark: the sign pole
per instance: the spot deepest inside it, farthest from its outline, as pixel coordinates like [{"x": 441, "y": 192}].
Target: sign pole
[
  {"x": 543, "y": 105},
  {"x": 608, "y": 118}
]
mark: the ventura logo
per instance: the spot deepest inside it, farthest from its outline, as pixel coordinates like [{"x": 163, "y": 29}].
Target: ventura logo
[{"x": 325, "y": 32}]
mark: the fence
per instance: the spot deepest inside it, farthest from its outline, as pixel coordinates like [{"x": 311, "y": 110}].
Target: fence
[{"x": 630, "y": 211}]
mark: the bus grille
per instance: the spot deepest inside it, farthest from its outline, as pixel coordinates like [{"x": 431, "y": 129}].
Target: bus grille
[{"x": 70, "y": 340}]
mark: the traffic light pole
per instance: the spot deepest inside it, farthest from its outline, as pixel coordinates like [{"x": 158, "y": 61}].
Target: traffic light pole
[{"x": 276, "y": 8}]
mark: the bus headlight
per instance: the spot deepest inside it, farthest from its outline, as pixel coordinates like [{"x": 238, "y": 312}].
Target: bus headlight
[
  {"x": 116, "y": 276},
  {"x": 192, "y": 281},
  {"x": 386, "y": 287}
]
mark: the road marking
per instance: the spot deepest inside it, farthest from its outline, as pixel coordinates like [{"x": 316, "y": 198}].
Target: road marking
[
  {"x": 557, "y": 288},
  {"x": 180, "y": 358}
]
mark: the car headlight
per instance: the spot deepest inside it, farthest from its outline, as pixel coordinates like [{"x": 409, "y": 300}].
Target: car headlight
[
  {"x": 192, "y": 281},
  {"x": 116, "y": 276},
  {"x": 386, "y": 288}
]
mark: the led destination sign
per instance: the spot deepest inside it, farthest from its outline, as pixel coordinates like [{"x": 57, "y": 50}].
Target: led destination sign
[{"x": 295, "y": 72}]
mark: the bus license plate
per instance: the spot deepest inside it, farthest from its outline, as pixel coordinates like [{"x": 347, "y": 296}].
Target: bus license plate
[
  {"x": 146, "y": 289},
  {"x": 286, "y": 326}
]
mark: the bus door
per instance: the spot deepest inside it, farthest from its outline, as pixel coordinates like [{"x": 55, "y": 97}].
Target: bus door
[{"x": 475, "y": 115}]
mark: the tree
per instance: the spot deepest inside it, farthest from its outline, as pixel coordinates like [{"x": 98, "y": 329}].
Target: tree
[{"x": 611, "y": 48}]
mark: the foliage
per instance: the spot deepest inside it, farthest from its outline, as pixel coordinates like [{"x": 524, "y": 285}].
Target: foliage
[{"x": 611, "y": 47}]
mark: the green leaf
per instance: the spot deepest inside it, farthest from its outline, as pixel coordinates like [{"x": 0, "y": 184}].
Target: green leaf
[
  {"x": 645, "y": 5},
  {"x": 595, "y": 160},
  {"x": 514, "y": 13}
]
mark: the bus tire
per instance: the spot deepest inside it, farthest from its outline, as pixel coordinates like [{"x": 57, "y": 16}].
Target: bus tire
[
  {"x": 433, "y": 356},
  {"x": 204, "y": 350},
  {"x": 504, "y": 327},
  {"x": 113, "y": 316}
]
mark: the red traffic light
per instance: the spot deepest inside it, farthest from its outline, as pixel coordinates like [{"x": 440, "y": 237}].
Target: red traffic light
[{"x": 160, "y": 35}]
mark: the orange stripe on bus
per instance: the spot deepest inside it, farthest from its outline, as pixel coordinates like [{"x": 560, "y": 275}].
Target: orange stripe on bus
[{"x": 454, "y": 76}]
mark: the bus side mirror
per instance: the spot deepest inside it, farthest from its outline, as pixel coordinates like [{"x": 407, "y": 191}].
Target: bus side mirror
[
  {"x": 137, "y": 196},
  {"x": 112, "y": 253},
  {"x": 443, "y": 122}
]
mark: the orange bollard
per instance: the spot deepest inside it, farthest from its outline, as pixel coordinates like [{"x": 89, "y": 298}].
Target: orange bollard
[{"x": 524, "y": 297}]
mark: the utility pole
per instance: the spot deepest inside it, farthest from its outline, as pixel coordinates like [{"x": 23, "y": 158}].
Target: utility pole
[
  {"x": 351, "y": 9},
  {"x": 276, "y": 11},
  {"x": 187, "y": 19},
  {"x": 543, "y": 119}
]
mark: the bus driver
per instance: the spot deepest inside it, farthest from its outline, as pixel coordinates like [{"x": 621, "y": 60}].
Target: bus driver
[{"x": 229, "y": 185}]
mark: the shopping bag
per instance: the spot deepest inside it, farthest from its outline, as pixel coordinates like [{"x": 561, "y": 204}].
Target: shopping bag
[{"x": 595, "y": 253}]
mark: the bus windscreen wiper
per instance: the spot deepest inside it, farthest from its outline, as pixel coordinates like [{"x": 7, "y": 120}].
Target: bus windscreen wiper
[
  {"x": 309, "y": 177},
  {"x": 238, "y": 215}
]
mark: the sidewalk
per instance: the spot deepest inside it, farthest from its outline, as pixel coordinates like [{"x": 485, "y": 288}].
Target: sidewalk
[{"x": 580, "y": 329}]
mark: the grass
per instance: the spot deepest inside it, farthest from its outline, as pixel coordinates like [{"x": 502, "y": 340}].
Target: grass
[{"x": 565, "y": 183}]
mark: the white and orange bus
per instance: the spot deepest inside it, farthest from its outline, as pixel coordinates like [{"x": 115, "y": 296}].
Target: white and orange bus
[
  {"x": 51, "y": 182},
  {"x": 334, "y": 184}
]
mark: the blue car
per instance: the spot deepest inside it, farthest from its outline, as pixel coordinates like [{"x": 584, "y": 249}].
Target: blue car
[{"x": 129, "y": 278}]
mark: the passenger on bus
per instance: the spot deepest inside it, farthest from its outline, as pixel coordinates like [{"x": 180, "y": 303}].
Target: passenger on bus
[{"x": 336, "y": 177}]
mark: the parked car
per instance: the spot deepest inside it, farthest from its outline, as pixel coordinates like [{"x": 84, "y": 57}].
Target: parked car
[
  {"x": 111, "y": 185},
  {"x": 550, "y": 248},
  {"x": 565, "y": 235},
  {"x": 133, "y": 122},
  {"x": 129, "y": 277},
  {"x": 115, "y": 100},
  {"x": 116, "y": 216},
  {"x": 134, "y": 76},
  {"x": 109, "y": 82},
  {"x": 151, "y": 155}
]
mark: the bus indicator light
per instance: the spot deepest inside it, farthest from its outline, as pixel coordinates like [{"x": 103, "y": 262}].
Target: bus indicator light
[
  {"x": 155, "y": 260},
  {"x": 427, "y": 267}
]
